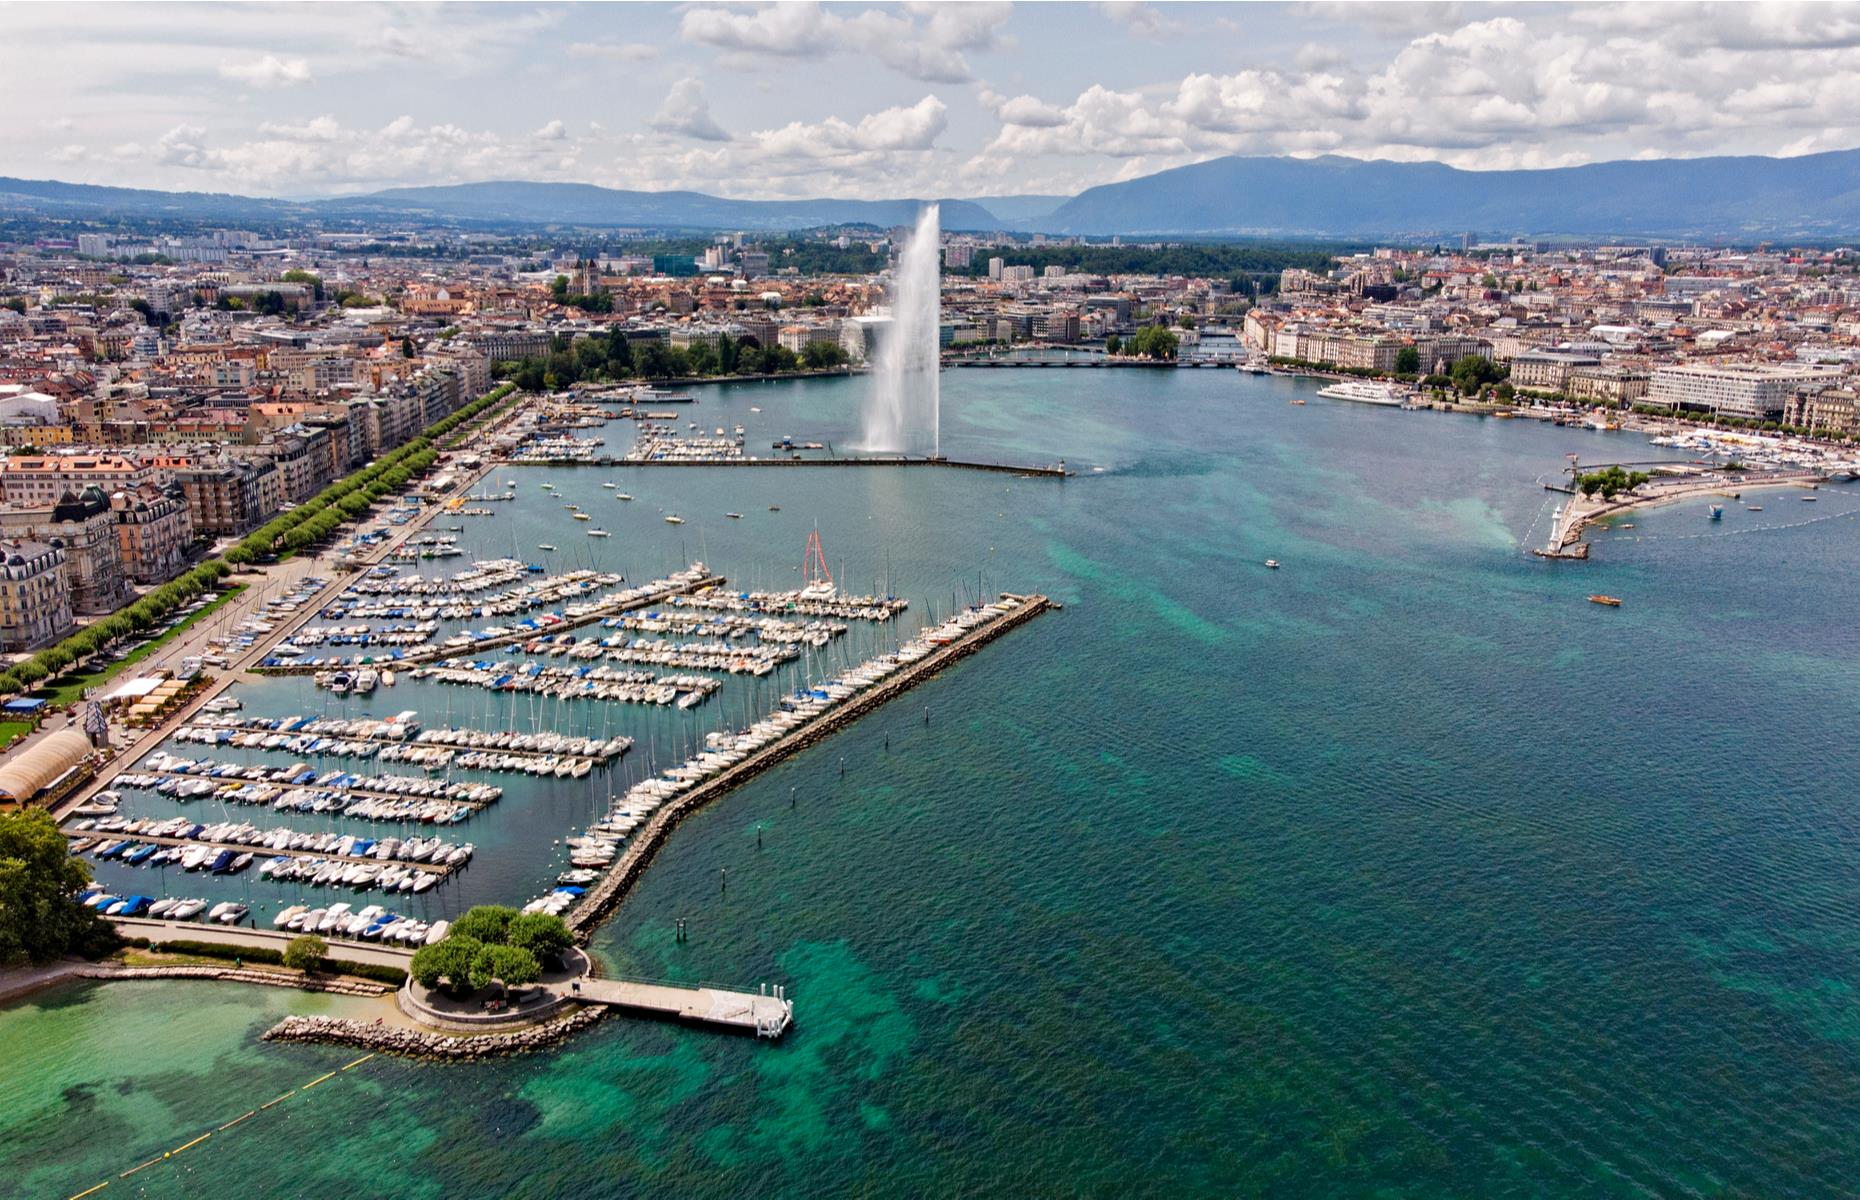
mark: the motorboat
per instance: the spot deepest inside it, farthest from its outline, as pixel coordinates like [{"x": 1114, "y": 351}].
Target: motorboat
[
  {"x": 1272, "y": 564},
  {"x": 674, "y": 519},
  {"x": 599, "y": 533}
]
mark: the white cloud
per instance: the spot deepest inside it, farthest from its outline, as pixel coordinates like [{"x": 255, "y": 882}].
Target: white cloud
[
  {"x": 925, "y": 42},
  {"x": 686, "y": 111},
  {"x": 268, "y": 72},
  {"x": 554, "y": 131}
]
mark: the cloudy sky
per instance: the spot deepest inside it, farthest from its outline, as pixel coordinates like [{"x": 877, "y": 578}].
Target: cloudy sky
[{"x": 801, "y": 99}]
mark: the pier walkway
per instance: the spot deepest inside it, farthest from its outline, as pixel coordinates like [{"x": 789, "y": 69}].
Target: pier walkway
[
  {"x": 340, "y": 950},
  {"x": 760, "y": 1013},
  {"x": 613, "y": 887}
]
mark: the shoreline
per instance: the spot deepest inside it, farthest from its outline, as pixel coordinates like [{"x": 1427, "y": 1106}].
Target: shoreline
[{"x": 1566, "y": 533}]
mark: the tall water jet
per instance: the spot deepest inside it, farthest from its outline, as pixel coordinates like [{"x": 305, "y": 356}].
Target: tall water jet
[{"x": 901, "y": 412}]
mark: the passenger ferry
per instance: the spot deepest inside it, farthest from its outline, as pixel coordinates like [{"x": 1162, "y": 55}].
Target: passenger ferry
[{"x": 1364, "y": 393}]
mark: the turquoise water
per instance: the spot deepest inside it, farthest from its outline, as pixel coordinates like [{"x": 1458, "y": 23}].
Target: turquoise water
[{"x": 1401, "y": 870}]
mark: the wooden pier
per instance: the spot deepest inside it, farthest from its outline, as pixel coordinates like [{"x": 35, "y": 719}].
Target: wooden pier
[{"x": 613, "y": 887}]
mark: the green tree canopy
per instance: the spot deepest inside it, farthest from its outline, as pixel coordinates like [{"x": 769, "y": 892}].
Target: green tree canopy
[
  {"x": 449, "y": 959},
  {"x": 542, "y": 934},
  {"x": 1408, "y": 361},
  {"x": 39, "y": 922},
  {"x": 510, "y": 966},
  {"x": 485, "y": 923}
]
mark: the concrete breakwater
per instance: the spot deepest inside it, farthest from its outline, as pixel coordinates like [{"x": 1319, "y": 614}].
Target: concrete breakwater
[
  {"x": 613, "y": 887},
  {"x": 410, "y": 1043},
  {"x": 1046, "y": 472}
]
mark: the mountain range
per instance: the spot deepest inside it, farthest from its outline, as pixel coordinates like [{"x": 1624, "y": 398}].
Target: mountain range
[{"x": 1809, "y": 196}]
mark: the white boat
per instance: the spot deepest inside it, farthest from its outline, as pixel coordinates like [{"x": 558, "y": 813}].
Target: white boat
[
  {"x": 610, "y": 486},
  {"x": 599, "y": 533},
  {"x": 623, "y": 496},
  {"x": 545, "y": 546},
  {"x": 674, "y": 519},
  {"x": 1364, "y": 393}
]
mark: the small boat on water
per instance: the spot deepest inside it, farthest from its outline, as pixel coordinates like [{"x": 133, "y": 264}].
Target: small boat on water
[
  {"x": 623, "y": 496},
  {"x": 1272, "y": 564},
  {"x": 581, "y": 516},
  {"x": 1809, "y": 499},
  {"x": 1298, "y": 400},
  {"x": 544, "y": 546},
  {"x": 599, "y": 533},
  {"x": 1609, "y": 601},
  {"x": 1753, "y": 508},
  {"x": 1717, "y": 512},
  {"x": 610, "y": 486},
  {"x": 674, "y": 519},
  {"x": 734, "y": 516},
  {"x": 774, "y": 508}
]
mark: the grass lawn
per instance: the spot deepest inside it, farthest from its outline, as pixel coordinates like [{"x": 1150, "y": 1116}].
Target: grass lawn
[
  {"x": 12, "y": 731},
  {"x": 70, "y": 687}
]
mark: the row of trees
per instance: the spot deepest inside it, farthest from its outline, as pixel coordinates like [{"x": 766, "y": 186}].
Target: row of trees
[
  {"x": 304, "y": 526},
  {"x": 491, "y": 945},
  {"x": 145, "y": 614},
  {"x": 611, "y": 357}
]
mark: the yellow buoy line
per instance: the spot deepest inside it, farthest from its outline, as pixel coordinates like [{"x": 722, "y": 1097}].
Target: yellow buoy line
[{"x": 168, "y": 1155}]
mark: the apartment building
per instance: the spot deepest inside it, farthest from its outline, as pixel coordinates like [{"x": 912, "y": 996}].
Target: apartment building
[
  {"x": 35, "y": 600},
  {"x": 81, "y": 525},
  {"x": 153, "y": 532},
  {"x": 231, "y": 495}
]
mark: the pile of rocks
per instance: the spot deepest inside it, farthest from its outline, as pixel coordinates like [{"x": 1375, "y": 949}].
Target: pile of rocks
[
  {"x": 307, "y": 983},
  {"x": 417, "y": 1044}
]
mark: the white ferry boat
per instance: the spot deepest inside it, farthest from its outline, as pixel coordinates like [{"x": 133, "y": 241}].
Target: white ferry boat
[{"x": 1363, "y": 392}]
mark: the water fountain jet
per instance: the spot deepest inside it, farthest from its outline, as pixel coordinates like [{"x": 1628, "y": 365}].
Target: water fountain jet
[{"x": 901, "y": 412}]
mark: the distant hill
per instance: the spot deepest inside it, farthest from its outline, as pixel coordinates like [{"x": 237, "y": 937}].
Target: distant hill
[
  {"x": 1814, "y": 195},
  {"x": 511, "y": 203},
  {"x": 1012, "y": 211}
]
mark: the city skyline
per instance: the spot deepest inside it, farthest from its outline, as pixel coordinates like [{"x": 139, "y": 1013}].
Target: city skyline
[{"x": 984, "y": 99}]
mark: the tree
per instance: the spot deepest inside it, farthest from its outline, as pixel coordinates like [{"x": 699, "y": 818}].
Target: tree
[
  {"x": 1153, "y": 341},
  {"x": 406, "y": 347},
  {"x": 1113, "y": 345},
  {"x": 504, "y": 966},
  {"x": 1471, "y": 373},
  {"x": 305, "y": 953},
  {"x": 449, "y": 959},
  {"x": 39, "y": 923},
  {"x": 1408, "y": 361},
  {"x": 485, "y": 923},
  {"x": 542, "y": 934}
]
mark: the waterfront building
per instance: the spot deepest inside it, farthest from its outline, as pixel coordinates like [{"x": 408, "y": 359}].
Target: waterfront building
[
  {"x": 1759, "y": 391},
  {"x": 35, "y": 599},
  {"x": 1607, "y": 384},
  {"x": 1548, "y": 370},
  {"x": 1833, "y": 410}
]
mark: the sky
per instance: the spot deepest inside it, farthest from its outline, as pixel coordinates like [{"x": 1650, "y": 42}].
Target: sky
[{"x": 895, "y": 100}]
